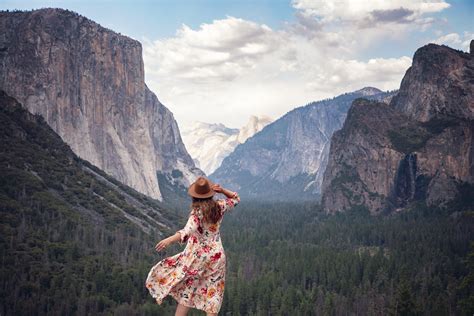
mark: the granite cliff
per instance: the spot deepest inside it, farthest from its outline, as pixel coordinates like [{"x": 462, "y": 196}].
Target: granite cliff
[
  {"x": 39, "y": 173},
  {"x": 88, "y": 83},
  {"x": 209, "y": 144},
  {"x": 287, "y": 158},
  {"x": 417, "y": 149}
]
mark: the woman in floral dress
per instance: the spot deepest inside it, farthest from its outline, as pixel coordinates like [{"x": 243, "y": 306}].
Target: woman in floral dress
[{"x": 195, "y": 278}]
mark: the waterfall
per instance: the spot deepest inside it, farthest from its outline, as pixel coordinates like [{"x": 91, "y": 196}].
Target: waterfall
[{"x": 405, "y": 187}]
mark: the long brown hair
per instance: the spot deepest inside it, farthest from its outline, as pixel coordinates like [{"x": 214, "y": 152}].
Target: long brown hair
[{"x": 210, "y": 209}]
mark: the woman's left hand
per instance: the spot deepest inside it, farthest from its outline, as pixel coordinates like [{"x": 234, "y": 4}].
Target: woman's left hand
[{"x": 163, "y": 244}]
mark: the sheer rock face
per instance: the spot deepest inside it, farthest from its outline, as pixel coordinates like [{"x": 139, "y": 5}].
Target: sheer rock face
[
  {"x": 440, "y": 82},
  {"x": 88, "y": 84},
  {"x": 351, "y": 176},
  {"x": 418, "y": 148},
  {"x": 287, "y": 158}
]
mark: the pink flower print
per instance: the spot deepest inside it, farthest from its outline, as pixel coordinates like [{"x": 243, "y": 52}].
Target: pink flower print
[
  {"x": 170, "y": 262},
  {"x": 216, "y": 256}
]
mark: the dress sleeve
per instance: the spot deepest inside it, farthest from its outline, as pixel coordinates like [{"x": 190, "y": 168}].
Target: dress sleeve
[
  {"x": 191, "y": 227},
  {"x": 229, "y": 203}
]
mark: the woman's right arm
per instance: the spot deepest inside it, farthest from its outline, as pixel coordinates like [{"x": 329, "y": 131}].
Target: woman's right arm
[{"x": 232, "y": 198}]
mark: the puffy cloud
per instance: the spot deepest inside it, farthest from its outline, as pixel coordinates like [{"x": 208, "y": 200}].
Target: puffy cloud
[
  {"x": 455, "y": 40},
  {"x": 226, "y": 70},
  {"x": 375, "y": 11},
  {"x": 230, "y": 69},
  {"x": 221, "y": 50}
]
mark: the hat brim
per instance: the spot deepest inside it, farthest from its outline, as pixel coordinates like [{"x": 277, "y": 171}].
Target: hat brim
[{"x": 192, "y": 192}]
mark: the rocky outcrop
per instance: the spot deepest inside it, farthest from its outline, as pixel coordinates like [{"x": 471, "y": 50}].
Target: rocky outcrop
[
  {"x": 440, "y": 82},
  {"x": 209, "y": 144},
  {"x": 286, "y": 160},
  {"x": 88, "y": 84},
  {"x": 420, "y": 148},
  {"x": 351, "y": 177}
]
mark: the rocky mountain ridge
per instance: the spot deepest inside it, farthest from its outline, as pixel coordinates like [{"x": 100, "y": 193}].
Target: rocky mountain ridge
[
  {"x": 286, "y": 160},
  {"x": 88, "y": 83},
  {"x": 209, "y": 144},
  {"x": 417, "y": 149}
]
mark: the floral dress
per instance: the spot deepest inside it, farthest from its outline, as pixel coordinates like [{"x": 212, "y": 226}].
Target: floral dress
[{"x": 196, "y": 276}]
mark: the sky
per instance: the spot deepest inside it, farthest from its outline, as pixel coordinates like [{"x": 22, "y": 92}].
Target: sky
[{"x": 221, "y": 61}]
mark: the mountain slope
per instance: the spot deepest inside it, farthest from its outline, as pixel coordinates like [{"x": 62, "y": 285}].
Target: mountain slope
[
  {"x": 209, "y": 144},
  {"x": 418, "y": 149},
  {"x": 88, "y": 84},
  {"x": 73, "y": 240},
  {"x": 286, "y": 160}
]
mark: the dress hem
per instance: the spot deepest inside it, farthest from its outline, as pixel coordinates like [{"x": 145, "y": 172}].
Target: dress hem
[{"x": 191, "y": 306}]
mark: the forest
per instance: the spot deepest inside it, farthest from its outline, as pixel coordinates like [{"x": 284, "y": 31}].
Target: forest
[{"x": 283, "y": 259}]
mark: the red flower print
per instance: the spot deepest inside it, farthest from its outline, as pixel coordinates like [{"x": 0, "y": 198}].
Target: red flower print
[
  {"x": 194, "y": 239},
  {"x": 170, "y": 262},
  {"x": 206, "y": 249},
  {"x": 192, "y": 272},
  {"x": 204, "y": 290},
  {"x": 216, "y": 256},
  {"x": 189, "y": 281},
  {"x": 200, "y": 229}
]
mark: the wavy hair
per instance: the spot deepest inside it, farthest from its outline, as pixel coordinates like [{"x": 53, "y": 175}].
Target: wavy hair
[{"x": 210, "y": 209}]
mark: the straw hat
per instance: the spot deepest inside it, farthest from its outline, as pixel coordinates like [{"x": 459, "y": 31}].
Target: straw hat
[{"x": 201, "y": 188}]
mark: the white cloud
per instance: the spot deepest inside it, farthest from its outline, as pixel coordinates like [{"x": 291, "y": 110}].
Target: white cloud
[
  {"x": 229, "y": 69},
  {"x": 370, "y": 13},
  {"x": 221, "y": 50},
  {"x": 455, "y": 40}
]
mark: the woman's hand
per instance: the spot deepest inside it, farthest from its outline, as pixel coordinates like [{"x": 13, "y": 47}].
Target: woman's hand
[
  {"x": 217, "y": 188},
  {"x": 163, "y": 244}
]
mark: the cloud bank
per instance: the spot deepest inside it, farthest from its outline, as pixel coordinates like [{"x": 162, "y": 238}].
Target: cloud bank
[{"x": 231, "y": 68}]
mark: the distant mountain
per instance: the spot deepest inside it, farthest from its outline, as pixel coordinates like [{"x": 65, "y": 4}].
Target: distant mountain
[
  {"x": 88, "y": 83},
  {"x": 67, "y": 227},
  {"x": 286, "y": 160},
  {"x": 416, "y": 151},
  {"x": 209, "y": 144}
]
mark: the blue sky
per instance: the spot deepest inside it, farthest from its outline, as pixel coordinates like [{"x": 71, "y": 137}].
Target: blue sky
[{"x": 232, "y": 59}]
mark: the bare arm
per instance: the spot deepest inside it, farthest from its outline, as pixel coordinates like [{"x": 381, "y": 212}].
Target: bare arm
[
  {"x": 219, "y": 189},
  {"x": 168, "y": 241}
]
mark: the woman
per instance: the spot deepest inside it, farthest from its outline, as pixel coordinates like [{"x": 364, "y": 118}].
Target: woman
[{"x": 195, "y": 278}]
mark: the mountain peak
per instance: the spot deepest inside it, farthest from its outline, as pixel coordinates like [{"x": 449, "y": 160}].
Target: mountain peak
[
  {"x": 253, "y": 126},
  {"x": 368, "y": 91},
  {"x": 437, "y": 71}
]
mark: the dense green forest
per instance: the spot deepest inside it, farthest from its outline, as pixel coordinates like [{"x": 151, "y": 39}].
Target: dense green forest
[
  {"x": 70, "y": 245},
  {"x": 294, "y": 260},
  {"x": 282, "y": 260}
]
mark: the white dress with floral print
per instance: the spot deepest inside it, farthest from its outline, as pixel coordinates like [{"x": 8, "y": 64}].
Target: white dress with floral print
[{"x": 194, "y": 277}]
